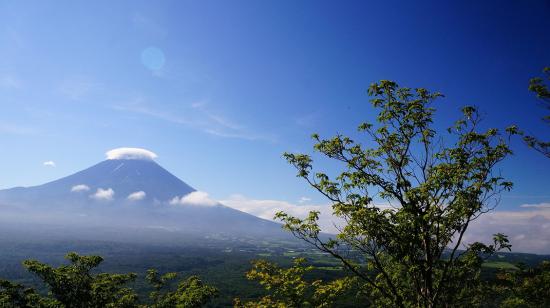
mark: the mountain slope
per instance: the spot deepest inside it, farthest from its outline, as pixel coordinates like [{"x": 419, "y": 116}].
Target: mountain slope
[
  {"x": 99, "y": 198},
  {"x": 124, "y": 176}
]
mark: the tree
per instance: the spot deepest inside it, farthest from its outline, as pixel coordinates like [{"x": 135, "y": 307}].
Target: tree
[
  {"x": 290, "y": 288},
  {"x": 190, "y": 293},
  {"x": 412, "y": 253},
  {"x": 526, "y": 287},
  {"x": 14, "y": 295},
  {"x": 539, "y": 87},
  {"x": 74, "y": 285}
]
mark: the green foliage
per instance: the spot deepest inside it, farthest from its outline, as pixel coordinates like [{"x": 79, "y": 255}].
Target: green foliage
[
  {"x": 190, "y": 293},
  {"x": 290, "y": 289},
  {"x": 15, "y": 295},
  {"x": 527, "y": 287},
  {"x": 538, "y": 86},
  {"x": 74, "y": 285},
  {"x": 436, "y": 187}
]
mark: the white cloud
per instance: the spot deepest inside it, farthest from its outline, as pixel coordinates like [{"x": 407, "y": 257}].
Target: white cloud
[
  {"x": 131, "y": 153},
  {"x": 267, "y": 208},
  {"x": 136, "y": 196},
  {"x": 304, "y": 200},
  {"x": 103, "y": 194},
  {"x": 528, "y": 230},
  {"x": 199, "y": 198},
  {"x": 537, "y": 205},
  {"x": 49, "y": 163},
  {"x": 80, "y": 187}
]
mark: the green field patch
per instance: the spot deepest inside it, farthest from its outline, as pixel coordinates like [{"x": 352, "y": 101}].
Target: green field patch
[
  {"x": 500, "y": 265},
  {"x": 329, "y": 268}
]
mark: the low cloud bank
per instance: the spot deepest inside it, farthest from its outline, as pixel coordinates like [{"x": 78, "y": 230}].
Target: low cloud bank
[
  {"x": 80, "y": 188},
  {"x": 267, "y": 208},
  {"x": 136, "y": 196},
  {"x": 528, "y": 229},
  {"x": 544, "y": 205},
  {"x": 103, "y": 194},
  {"x": 196, "y": 198}
]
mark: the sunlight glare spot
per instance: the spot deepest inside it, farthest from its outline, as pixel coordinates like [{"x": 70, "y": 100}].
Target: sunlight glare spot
[{"x": 153, "y": 58}]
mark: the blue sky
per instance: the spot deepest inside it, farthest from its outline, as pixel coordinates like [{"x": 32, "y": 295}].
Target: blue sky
[{"x": 220, "y": 89}]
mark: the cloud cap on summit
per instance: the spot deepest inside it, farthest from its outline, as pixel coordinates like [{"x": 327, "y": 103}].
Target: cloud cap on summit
[{"x": 130, "y": 153}]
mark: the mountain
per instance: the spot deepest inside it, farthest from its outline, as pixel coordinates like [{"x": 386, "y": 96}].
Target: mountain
[
  {"x": 126, "y": 197},
  {"x": 122, "y": 176}
]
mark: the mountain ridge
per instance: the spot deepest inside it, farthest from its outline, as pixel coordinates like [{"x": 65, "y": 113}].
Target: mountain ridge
[{"x": 128, "y": 194}]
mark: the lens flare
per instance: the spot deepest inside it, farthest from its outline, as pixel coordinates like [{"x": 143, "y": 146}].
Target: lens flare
[{"x": 153, "y": 58}]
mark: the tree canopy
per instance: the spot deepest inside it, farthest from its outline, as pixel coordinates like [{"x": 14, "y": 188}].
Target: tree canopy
[
  {"x": 75, "y": 285},
  {"x": 412, "y": 251},
  {"x": 291, "y": 289},
  {"x": 538, "y": 86}
]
